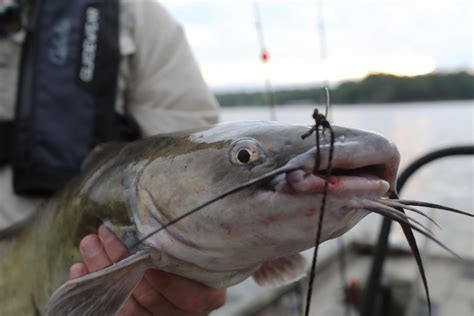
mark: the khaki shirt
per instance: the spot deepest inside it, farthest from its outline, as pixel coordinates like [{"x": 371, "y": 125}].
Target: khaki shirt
[{"x": 159, "y": 85}]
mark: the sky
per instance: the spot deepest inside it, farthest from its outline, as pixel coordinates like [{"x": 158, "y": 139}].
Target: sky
[{"x": 404, "y": 37}]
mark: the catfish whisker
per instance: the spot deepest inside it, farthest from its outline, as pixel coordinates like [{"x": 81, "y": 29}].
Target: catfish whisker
[
  {"x": 432, "y": 205},
  {"x": 408, "y": 232},
  {"x": 395, "y": 217},
  {"x": 284, "y": 169},
  {"x": 399, "y": 214},
  {"x": 402, "y": 220},
  {"x": 393, "y": 203}
]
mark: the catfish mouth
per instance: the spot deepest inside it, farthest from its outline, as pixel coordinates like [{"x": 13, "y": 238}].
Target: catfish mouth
[
  {"x": 356, "y": 170},
  {"x": 367, "y": 180}
]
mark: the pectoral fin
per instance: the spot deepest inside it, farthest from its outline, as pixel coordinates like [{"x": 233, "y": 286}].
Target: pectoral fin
[
  {"x": 280, "y": 270},
  {"x": 102, "y": 292}
]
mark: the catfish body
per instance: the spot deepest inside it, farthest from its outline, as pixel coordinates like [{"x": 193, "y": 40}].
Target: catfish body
[{"x": 136, "y": 188}]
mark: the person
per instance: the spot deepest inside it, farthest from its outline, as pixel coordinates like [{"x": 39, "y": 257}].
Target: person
[
  {"x": 159, "y": 85},
  {"x": 160, "y": 88}
]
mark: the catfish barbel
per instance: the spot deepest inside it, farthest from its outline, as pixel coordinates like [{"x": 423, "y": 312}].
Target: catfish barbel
[{"x": 214, "y": 205}]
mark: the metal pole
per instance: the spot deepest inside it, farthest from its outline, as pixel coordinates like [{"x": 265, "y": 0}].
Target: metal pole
[{"x": 264, "y": 57}]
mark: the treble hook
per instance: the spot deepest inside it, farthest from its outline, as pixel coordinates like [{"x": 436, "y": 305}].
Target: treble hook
[{"x": 320, "y": 119}]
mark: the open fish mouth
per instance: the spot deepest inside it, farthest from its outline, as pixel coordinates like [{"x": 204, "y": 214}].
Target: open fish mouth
[
  {"x": 355, "y": 170},
  {"x": 358, "y": 181}
]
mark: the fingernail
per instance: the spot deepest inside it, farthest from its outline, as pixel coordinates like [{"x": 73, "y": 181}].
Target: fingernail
[
  {"x": 92, "y": 247},
  {"x": 105, "y": 234}
]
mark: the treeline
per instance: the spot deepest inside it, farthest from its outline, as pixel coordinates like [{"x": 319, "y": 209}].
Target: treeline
[{"x": 376, "y": 88}]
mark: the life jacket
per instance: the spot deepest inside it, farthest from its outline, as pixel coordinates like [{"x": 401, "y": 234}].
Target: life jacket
[{"x": 66, "y": 93}]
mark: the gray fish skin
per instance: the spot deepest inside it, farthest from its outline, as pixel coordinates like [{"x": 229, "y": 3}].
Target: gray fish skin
[{"x": 136, "y": 188}]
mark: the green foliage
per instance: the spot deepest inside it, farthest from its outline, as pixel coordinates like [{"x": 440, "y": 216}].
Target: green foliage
[{"x": 375, "y": 88}]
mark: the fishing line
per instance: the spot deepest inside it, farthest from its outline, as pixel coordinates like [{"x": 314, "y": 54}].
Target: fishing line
[
  {"x": 321, "y": 125},
  {"x": 323, "y": 52}
]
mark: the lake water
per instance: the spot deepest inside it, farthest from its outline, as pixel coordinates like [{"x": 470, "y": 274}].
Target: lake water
[{"x": 416, "y": 128}]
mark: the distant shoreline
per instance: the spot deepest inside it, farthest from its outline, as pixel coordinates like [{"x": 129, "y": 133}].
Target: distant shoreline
[
  {"x": 373, "y": 89},
  {"x": 422, "y": 103}
]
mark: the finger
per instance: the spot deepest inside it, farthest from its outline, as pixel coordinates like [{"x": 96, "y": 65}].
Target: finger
[
  {"x": 93, "y": 253},
  {"x": 151, "y": 300},
  {"x": 169, "y": 309},
  {"x": 132, "y": 308},
  {"x": 147, "y": 296},
  {"x": 156, "y": 304},
  {"x": 77, "y": 270},
  {"x": 114, "y": 248},
  {"x": 198, "y": 298}
]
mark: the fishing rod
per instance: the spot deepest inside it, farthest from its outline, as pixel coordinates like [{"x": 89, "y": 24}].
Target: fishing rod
[{"x": 264, "y": 57}]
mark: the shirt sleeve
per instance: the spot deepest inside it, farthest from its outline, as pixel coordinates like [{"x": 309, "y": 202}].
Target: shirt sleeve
[{"x": 165, "y": 91}]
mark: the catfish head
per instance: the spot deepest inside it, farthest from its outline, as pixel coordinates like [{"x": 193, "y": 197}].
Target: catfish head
[{"x": 275, "y": 218}]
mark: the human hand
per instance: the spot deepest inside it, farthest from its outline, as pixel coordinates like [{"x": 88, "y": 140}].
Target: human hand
[{"x": 158, "y": 293}]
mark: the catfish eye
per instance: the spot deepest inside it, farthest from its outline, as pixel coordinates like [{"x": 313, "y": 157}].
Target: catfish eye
[{"x": 246, "y": 151}]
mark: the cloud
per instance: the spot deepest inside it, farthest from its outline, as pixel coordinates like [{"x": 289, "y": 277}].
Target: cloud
[
  {"x": 401, "y": 37},
  {"x": 304, "y": 71}
]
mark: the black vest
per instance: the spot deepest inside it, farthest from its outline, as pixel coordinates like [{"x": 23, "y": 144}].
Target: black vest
[{"x": 66, "y": 92}]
